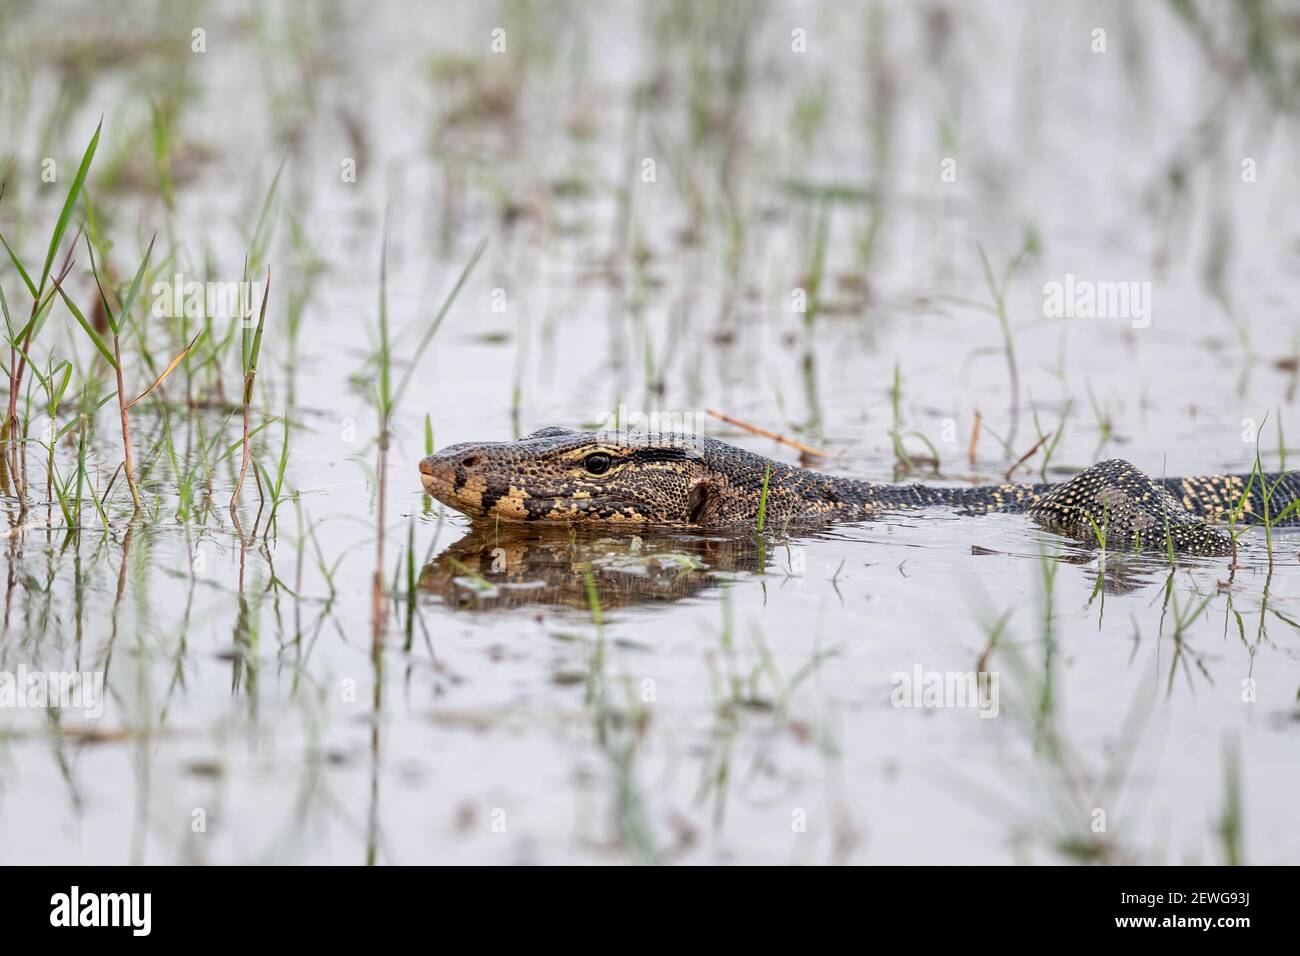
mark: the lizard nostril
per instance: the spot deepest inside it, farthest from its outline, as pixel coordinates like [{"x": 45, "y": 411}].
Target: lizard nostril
[{"x": 469, "y": 461}]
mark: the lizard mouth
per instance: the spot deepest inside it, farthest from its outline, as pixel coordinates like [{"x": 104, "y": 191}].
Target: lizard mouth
[
  {"x": 600, "y": 509},
  {"x": 436, "y": 487},
  {"x": 439, "y": 481}
]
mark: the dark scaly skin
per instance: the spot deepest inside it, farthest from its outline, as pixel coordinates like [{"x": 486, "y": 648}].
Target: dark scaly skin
[{"x": 686, "y": 480}]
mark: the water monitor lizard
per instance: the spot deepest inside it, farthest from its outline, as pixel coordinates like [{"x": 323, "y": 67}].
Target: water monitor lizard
[{"x": 644, "y": 478}]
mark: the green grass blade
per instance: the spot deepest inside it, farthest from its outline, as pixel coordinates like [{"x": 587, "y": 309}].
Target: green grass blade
[
  {"x": 87, "y": 327},
  {"x": 4, "y": 306},
  {"x": 1286, "y": 512},
  {"x": 260, "y": 240},
  {"x": 593, "y": 596},
  {"x": 35, "y": 369},
  {"x": 134, "y": 290},
  {"x": 284, "y": 461},
  {"x": 13, "y": 257},
  {"x": 437, "y": 320},
  {"x": 99, "y": 286},
  {"x": 69, "y": 204},
  {"x": 256, "y": 348},
  {"x": 235, "y": 445},
  {"x": 37, "y": 321}
]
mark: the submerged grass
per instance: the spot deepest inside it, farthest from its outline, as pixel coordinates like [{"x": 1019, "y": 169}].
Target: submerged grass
[
  {"x": 20, "y": 340},
  {"x": 762, "y": 498},
  {"x": 250, "y": 353}
]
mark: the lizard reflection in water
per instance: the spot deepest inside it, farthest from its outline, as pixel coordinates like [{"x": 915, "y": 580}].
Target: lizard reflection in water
[
  {"x": 499, "y": 568},
  {"x": 505, "y": 567}
]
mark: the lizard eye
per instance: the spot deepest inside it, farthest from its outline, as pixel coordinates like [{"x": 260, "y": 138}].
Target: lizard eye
[{"x": 597, "y": 463}]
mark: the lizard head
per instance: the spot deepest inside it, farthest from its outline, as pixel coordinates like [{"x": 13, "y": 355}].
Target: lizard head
[{"x": 561, "y": 475}]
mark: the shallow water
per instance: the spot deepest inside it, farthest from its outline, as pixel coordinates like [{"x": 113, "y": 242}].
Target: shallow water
[{"x": 594, "y": 697}]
